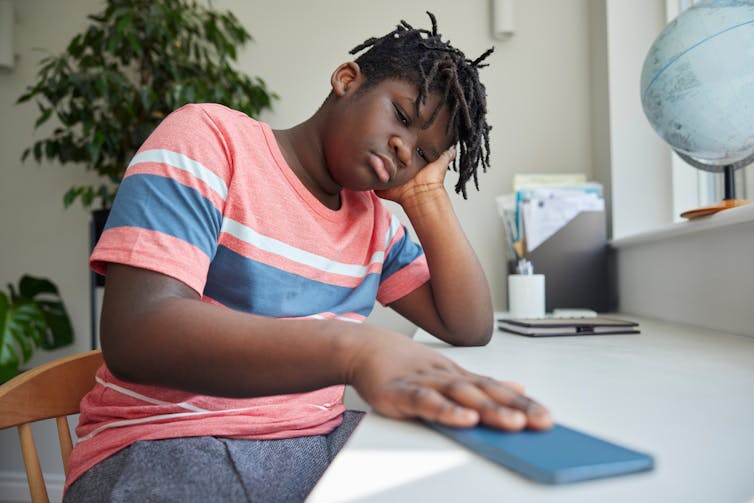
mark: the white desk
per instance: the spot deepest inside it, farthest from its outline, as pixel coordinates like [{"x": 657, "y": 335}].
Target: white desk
[{"x": 683, "y": 394}]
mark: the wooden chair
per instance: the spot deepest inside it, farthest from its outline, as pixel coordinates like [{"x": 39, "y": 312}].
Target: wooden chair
[{"x": 52, "y": 390}]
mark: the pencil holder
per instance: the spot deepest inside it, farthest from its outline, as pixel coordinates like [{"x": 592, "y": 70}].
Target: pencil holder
[{"x": 526, "y": 295}]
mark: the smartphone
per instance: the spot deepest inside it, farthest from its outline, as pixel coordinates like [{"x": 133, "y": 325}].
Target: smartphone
[{"x": 560, "y": 455}]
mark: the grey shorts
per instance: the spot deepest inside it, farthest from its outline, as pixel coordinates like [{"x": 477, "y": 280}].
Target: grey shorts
[{"x": 204, "y": 469}]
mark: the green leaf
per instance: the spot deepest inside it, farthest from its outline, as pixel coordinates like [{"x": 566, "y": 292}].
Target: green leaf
[
  {"x": 46, "y": 113},
  {"x": 30, "y": 286},
  {"x": 9, "y": 359},
  {"x": 70, "y": 196},
  {"x": 22, "y": 341},
  {"x": 94, "y": 149},
  {"x": 31, "y": 316},
  {"x": 87, "y": 196}
]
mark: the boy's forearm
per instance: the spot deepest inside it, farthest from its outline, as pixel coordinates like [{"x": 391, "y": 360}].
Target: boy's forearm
[
  {"x": 459, "y": 287},
  {"x": 202, "y": 348}
]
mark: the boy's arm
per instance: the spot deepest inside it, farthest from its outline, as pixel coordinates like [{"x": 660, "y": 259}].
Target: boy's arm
[
  {"x": 455, "y": 305},
  {"x": 156, "y": 330}
]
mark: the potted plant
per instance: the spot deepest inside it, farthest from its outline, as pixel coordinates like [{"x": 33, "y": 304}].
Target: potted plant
[
  {"x": 32, "y": 316},
  {"x": 137, "y": 61}
]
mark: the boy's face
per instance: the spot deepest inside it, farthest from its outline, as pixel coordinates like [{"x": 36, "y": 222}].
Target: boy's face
[{"x": 374, "y": 140}]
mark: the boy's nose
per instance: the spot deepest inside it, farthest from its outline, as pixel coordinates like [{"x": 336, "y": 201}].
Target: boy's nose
[{"x": 402, "y": 149}]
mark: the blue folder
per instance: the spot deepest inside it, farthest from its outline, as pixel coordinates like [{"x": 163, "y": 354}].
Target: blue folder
[{"x": 557, "y": 456}]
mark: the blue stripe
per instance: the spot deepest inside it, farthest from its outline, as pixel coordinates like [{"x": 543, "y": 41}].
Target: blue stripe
[
  {"x": 247, "y": 285},
  {"x": 403, "y": 252},
  {"x": 162, "y": 204}
]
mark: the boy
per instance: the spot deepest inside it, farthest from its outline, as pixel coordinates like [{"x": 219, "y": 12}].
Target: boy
[{"x": 241, "y": 262}]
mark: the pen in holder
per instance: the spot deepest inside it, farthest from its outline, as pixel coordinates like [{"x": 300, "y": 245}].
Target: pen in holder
[{"x": 526, "y": 292}]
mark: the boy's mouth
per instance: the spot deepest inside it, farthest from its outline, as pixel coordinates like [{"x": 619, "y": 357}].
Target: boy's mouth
[{"x": 382, "y": 167}]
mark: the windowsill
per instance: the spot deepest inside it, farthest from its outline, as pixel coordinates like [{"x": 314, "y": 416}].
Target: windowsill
[{"x": 725, "y": 218}]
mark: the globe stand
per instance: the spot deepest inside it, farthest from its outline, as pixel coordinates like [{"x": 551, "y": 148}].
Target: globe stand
[{"x": 729, "y": 192}]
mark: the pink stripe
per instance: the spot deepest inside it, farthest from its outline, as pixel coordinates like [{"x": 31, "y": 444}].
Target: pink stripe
[
  {"x": 144, "y": 248},
  {"x": 404, "y": 281}
]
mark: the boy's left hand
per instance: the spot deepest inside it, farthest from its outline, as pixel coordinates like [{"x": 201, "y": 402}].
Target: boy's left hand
[{"x": 428, "y": 180}]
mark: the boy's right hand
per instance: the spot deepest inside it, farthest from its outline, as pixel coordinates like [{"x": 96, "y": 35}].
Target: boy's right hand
[{"x": 402, "y": 379}]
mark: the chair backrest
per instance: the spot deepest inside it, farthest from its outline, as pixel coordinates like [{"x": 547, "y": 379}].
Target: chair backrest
[{"x": 53, "y": 390}]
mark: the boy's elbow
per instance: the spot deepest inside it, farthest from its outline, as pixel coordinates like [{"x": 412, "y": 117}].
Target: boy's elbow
[
  {"x": 481, "y": 340},
  {"x": 473, "y": 336}
]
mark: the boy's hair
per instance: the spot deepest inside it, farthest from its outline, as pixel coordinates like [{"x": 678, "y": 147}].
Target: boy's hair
[{"x": 420, "y": 56}]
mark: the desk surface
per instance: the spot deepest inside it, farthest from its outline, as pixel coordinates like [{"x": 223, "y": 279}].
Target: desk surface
[{"x": 681, "y": 393}]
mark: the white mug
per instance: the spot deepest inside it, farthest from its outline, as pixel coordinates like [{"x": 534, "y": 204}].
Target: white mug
[{"x": 526, "y": 295}]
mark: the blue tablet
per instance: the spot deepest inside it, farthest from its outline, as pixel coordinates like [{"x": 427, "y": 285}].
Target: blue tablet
[{"x": 557, "y": 456}]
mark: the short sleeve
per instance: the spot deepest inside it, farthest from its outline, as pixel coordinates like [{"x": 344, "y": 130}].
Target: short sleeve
[
  {"x": 405, "y": 268},
  {"x": 168, "y": 210}
]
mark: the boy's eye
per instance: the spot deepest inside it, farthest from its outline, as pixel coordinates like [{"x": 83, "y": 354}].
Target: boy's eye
[
  {"x": 401, "y": 115},
  {"x": 422, "y": 154}
]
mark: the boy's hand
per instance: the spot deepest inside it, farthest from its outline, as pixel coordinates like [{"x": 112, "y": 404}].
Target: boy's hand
[
  {"x": 402, "y": 379},
  {"x": 429, "y": 179}
]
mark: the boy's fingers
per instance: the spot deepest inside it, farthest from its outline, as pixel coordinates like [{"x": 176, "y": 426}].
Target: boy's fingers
[
  {"x": 447, "y": 157},
  {"x": 451, "y": 153},
  {"x": 463, "y": 403},
  {"x": 498, "y": 404},
  {"x": 429, "y": 404},
  {"x": 537, "y": 416}
]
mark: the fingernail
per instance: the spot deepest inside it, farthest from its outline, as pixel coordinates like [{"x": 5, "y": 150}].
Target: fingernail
[
  {"x": 467, "y": 415},
  {"x": 515, "y": 415}
]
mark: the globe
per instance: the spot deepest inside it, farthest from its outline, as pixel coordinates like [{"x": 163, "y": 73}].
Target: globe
[{"x": 697, "y": 84}]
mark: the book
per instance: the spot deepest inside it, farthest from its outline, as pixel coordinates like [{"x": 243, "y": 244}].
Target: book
[
  {"x": 567, "y": 326},
  {"x": 557, "y": 456}
]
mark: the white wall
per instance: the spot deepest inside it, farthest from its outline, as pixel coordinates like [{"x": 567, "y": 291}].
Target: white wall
[
  {"x": 539, "y": 101},
  {"x": 695, "y": 272},
  {"x": 640, "y": 171}
]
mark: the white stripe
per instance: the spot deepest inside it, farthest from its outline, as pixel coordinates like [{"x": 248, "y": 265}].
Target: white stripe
[
  {"x": 348, "y": 319},
  {"x": 342, "y": 318},
  {"x": 148, "y": 399},
  {"x": 395, "y": 225},
  {"x": 271, "y": 245},
  {"x": 184, "y": 163},
  {"x": 141, "y": 420},
  {"x": 160, "y": 417}
]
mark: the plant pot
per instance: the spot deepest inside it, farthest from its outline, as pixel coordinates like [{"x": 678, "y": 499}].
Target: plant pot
[{"x": 99, "y": 219}]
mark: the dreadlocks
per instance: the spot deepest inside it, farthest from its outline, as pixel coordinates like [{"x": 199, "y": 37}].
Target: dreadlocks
[{"x": 421, "y": 56}]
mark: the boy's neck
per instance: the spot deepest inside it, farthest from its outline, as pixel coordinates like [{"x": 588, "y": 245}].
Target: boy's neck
[{"x": 302, "y": 149}]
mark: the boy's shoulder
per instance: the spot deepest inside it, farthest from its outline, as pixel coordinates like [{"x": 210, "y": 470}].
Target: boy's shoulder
[{"x": 216, "y": 111}]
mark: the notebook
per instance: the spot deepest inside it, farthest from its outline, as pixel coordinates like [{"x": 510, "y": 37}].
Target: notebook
[
  {"x": 560, "y": 455},
  {"x": 567, "y": 326}
]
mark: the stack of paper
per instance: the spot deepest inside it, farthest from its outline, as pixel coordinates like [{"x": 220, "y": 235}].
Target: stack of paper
[{"x": 543, "y": 204}]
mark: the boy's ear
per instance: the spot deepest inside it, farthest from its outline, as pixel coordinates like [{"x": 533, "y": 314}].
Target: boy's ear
[{"x": 346, "y": 76}]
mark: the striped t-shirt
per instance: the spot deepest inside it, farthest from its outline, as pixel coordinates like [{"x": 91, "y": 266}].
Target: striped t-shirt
[{"x": 209, "y": 200}]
